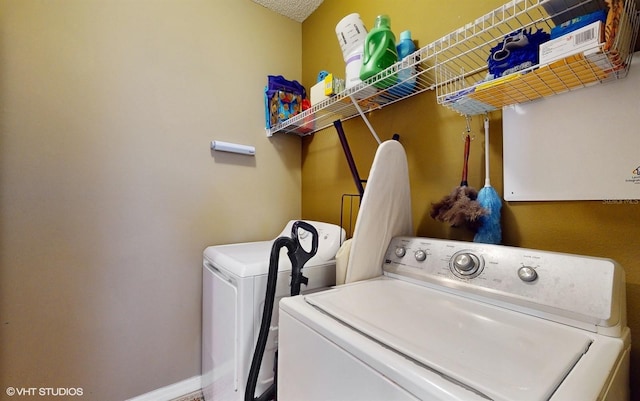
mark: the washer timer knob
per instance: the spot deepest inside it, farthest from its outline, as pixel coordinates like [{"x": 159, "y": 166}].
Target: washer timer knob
[{"x": 466, "y": 264}]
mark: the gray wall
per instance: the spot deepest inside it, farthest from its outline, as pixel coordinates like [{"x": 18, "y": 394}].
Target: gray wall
[{"x": 108, "y": 190}]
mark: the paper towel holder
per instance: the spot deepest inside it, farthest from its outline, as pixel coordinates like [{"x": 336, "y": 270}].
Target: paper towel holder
[{"x": 233, "y": 148}]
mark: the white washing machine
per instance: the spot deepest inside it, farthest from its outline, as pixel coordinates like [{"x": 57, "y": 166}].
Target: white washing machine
[
  {"x": 453, "y": 320},
  {"x": 234, "y": 287}
]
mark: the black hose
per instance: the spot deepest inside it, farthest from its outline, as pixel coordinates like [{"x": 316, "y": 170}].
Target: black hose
[
  {"x": 266, "y": 315},
  {"x": 298, "y": 257}
]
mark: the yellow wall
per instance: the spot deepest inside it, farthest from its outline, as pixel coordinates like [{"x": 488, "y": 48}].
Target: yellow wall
[
  {"x": 431, "y": 136},
  {"x": 109, "y": 192}
]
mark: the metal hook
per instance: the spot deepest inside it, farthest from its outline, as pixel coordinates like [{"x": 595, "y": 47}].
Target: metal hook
[{"x": 468, "y": 132}]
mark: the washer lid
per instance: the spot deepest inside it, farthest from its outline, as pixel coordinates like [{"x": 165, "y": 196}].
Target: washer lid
[{"x": 500, "y": 353}]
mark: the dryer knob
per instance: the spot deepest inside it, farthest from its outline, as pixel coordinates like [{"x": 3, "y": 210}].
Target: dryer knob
[
  {"x": 400, "y": 251},
  {"x": 420, "y": 255}
]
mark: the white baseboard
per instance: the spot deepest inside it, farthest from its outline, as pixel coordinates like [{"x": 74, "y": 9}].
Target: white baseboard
[{"x": 171, "y": 391}]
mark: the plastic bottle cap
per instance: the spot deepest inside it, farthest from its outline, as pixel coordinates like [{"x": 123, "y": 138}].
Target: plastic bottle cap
[
  {"x": 382, "y": 20},
  {"x": 405, "y": 35}
]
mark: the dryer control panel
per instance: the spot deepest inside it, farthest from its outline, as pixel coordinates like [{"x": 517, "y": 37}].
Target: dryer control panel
[{"x": 578, "y": 290}]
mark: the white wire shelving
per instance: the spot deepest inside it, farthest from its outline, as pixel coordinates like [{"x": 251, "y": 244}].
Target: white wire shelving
[
  {"x": 462, "y": 56},
  {"x": 456, "y": 66},
  {"x": 365, "y": 97}
]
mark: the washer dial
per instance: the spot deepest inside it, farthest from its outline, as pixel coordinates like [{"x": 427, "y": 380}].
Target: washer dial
[{"x": 466, "y": 264}]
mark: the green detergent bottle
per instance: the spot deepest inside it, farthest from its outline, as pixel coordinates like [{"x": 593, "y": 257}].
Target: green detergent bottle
[{"x": 379, "y": 52}]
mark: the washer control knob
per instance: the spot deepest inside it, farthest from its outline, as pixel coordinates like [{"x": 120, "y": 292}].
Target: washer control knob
[
  {"x": 527, "y": 274},
  {"x": 400, "y": 251},
  {"x": 464, "y": 262},
  {"x": 420, "y": 255}
]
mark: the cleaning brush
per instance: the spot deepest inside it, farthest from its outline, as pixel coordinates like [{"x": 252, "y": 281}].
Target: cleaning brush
[
  {"x": 460, "y": 208},
  {"x": 489, "y": 231}
]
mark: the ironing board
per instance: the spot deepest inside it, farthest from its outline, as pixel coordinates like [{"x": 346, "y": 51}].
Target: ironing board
[{"x": 385, "y": 212}]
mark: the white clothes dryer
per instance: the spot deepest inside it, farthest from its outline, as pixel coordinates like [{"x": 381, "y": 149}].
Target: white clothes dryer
[
  {"x": 234, "y": 287},
  {"x": 452, "y": 320}
]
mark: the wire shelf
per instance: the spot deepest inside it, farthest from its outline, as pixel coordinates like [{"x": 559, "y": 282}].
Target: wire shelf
[
  {"x": 341, "y": 106},
  {"x": 462, "y": 56},
  {"x": 456, "y": 66}
]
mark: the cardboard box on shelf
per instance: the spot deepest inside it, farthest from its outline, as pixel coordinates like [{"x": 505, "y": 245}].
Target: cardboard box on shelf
[{"x": 586, "y": 39}]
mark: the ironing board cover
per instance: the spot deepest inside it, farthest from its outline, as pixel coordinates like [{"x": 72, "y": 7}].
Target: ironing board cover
[{"x": 385, "y": 212}]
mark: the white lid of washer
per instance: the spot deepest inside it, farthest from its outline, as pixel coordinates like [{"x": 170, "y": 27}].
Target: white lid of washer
[
  {"x": 252, "y": 258},
  {"x": 501, "y": 354}
]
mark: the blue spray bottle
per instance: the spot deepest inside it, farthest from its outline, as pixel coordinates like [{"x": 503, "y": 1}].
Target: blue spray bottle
[{"x": 406, "y": 75}]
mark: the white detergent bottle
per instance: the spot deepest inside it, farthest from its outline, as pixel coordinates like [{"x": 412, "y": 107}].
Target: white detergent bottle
[{"x": 351, "y": 34}]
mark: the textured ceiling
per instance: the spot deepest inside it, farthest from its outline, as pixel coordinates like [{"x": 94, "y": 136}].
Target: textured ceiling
[{"x": 297, "y": 10}]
